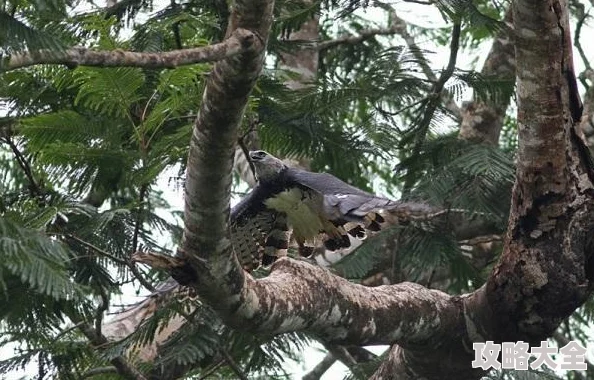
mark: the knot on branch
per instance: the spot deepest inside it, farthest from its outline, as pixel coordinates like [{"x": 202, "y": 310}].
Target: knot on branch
[
  {"x": 178, "y": 268},
  {"x": 580, "y": 246},
  {"x": 247, "y": 40}
]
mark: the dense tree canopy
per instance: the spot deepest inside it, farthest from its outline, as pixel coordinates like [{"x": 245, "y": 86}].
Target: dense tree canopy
[{"x": 101, "y": 104}]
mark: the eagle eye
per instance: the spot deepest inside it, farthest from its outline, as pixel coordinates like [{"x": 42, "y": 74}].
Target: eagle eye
[{"x": 257, "y": 155}]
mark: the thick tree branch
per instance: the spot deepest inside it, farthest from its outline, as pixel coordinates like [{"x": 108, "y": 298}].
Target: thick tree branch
[
  {"x": 240, "y": 41},
  {"x": 205, "y": 241},
  {"x": 545, "y": 271},
  {"x": 544, "y": 275},
  {"x": 350, "y": 313}
]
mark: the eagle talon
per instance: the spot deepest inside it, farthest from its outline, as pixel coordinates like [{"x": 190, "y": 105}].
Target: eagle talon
[
  {"x": 305, "y": 251},
  {"x": 268, "y": 260}
]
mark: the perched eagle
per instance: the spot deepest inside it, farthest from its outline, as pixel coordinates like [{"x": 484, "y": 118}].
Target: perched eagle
[{"x": 313, "y": 206}]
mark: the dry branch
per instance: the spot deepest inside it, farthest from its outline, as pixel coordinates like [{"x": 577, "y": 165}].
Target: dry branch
[{"x": 361, "y": 36}]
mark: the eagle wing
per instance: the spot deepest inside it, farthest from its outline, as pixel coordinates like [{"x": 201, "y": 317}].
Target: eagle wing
[
  {"x": 349, "y": 212},
  {"x": 310, "y": 206},
  {"x": 258, "y": 234}
]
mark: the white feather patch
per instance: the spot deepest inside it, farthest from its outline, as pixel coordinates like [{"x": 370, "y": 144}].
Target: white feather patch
[{"x": 299, "y": 207}]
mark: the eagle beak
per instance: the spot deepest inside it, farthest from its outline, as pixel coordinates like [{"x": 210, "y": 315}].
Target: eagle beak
[{"x": 257, "y": 155}]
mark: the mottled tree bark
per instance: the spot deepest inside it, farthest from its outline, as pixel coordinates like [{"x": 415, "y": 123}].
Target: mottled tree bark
[
  {"x": 587, "y": 124},
  {"x": 545, "y": 272},
  {"x": 205, "y": 241},
  {"x": 239, "y": 41},
  {"x": 543, "y": 275}
]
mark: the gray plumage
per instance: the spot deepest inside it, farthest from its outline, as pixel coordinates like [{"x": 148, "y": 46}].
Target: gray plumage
[{"x": 312, "y": 205}]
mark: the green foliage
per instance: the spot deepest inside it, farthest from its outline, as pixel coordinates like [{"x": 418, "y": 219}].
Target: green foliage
[
  {"x": 530, "y": 374},
  {"x": 93, "y": 144},
  {"x": 452, "y": 173},
  {"x": 108, "y": 91},
  {"x": 335, "y": 122},
  {"x": 489, "y": 89},
  {"x": 473, "y": 180},
  {"x": 266, "y": 357},
  {"x": 34, "y": 260},
  {"x": 16, "y": 36},
  {"x": 37, "y": 296}
]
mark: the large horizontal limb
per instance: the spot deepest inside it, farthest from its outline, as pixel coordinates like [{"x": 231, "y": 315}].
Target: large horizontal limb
[
  {"x": 428, "y": 325},
  {"x": 298, "y": 296},
  {"x": 240, "y": 41}
]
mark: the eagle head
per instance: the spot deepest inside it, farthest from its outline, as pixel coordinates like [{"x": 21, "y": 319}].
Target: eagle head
[{"x": 266, "y": 165}]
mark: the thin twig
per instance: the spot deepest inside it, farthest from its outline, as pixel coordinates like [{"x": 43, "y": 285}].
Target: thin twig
[
  {"x": 175, "y": 27},
  {"x": 363, "y": 35},
  {"x": 582, "y": 16},
  {"x": 342, "y": 354},
  {"x": 100, "y": 310},
  {"x": 66, "y": 331},
  {"x": 132, "y": 265},
  {"x": 246, "y": 153},
  {"x": 92, "y": 247},
  {"x": 434, "y": 99},
  {"x": 41, "y": 359},
  {"x": 98, "y": 371},
  {"x": 320, "y": 369},
  {"x": 243, "y": 146},
  {"x": 212, "y": 370},
  {"x": 34, "y": 187},
  {"x": 419, "y": 2},
  {"x": 128, "y": 263},
  {"x": 234, "y": 366},
  {"x": 138, "y": 221}
]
